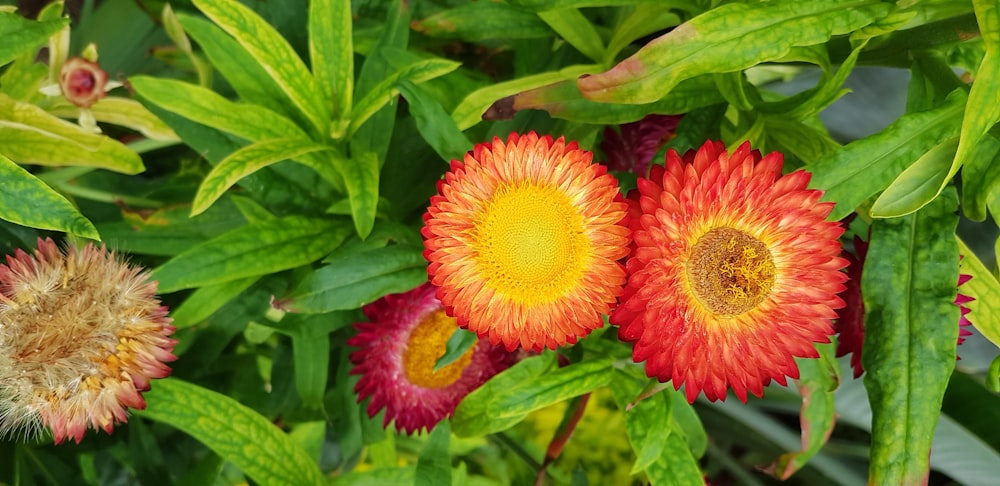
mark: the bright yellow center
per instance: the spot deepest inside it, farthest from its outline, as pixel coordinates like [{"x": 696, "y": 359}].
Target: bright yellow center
[
  {"x": 427, "y": 344},
  {"x": 731, "y": 272},
  {"x": 531, "y": 243}
]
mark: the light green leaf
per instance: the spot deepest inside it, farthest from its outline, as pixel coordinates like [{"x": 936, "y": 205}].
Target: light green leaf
[
  {"x": 918, "y": 184},
  {"x": 204, "y": 301},
  {"x": 434, "y": 463},
  {"x": 29, "y": 135},
  {"x": 174, "y": 30},
  {"x": 864, "y": 167},
  {"x": 470, "y": 111},
  {"x": 233, "y": 431},
  {"x": 728, "y": 38},
  {"x": 575, "y": 29},
  {"x": 359, "y": 280},
  {"x": 246, "y": 161},
  {"x": 361, "y": 175},
  {"x": 123, "y": 112},
  {"x": 910, "y": 335},
  {"x": 434, "y": 124},
  {"x": 275, "y": 55},
  {"x": 256, "y": 249},
  {"x": 383, "y": 92},
  {"x": 26, "y": 200},
  {"x": 477, "y": 21},
  {"x": 331, "y": 52},
  {"x": 530, "y": 385},
  {"x": 22, "y": 79},
  {"x": 985, "y": 310},
  {"x": 20, "y": 34}
]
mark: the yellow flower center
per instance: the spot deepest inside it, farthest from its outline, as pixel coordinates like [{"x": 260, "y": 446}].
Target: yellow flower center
[
  {"x": 531, "y": 243},
  {"x": 428, "y": 343},
  {"x": 731, "y": 271}
]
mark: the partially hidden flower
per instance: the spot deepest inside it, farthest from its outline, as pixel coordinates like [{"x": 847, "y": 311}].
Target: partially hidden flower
[
  {"x": 734, "y": 272},
  {"x": 81, "y": 335},
  {"x": 83, "y": 83},
  {"x": 850, "y": 324},
  {"x": 397, "y": 353},
  {"x": 524, "y": 239},
  {"x": 632, "y": 146}
]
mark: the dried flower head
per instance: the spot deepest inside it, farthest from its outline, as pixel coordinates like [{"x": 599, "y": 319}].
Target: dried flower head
[
  {"x": 83, "y": 82},
  {"x": 81, "y": 335}
]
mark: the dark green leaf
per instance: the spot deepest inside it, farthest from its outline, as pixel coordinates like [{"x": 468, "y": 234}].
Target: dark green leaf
[
  {"x": 240, "y": 435},
  {"x": 434, "y": 124},
  {"x": 203, "y": 302},
  {"x": 361, "y": 175},
  {"x": 458, "y": 344},
  {"x": 26, "y": 200},
  {"x": 575, "y": 29},
  {"x": 911, "y": 327},
  {"x": 434, "y": 463}
]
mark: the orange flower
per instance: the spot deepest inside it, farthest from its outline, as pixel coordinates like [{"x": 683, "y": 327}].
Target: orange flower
[
  {"x": 397, "y": 353},
  {"x": 523, "y": 242},
  {"x": 81, "y": 336},
  {"x": 734, "y": 272}
]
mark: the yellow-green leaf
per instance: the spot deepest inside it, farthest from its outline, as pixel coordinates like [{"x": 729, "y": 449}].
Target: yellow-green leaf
[
  {"x": 26, "y": 200},
  {"x": 918, "y": 184}
]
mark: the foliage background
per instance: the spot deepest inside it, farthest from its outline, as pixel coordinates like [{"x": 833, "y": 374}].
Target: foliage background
[{"x": 245, "y": 176}]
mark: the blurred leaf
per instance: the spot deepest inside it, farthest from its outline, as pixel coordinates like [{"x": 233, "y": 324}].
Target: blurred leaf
[
  {"x": 434, "y": 463},
  {"x": 458, "y": 344},
  {"x": 867, "y": 166},
  {"x": 231, "y": 430},
  {"x": 818, "y": 378},
  {"x": 26, "y": 200},
  {"x": 685, "y": 421},
  {"x": 993, "y": 376},
  {"x": 470, "y": 111},
  {"x": 331, "y": 53},
  {"x": 394, "y": 476},
  {"x": 123, "y": 112},
  {"x": 359, "y": 280},
  {"x": 20, "y": 34},
  {"x": 174, "y": 29},
  {"x": 974, "y": 407},
  {"x": 167, "y": 231},
  {"x": 985, "y": 310},
  {"x": 539, "y": 5},
  {"x": 22, "y": 79},
  {"x": 478, "y": 21},
  {"x": 530, "y": 385},
  {"x": 918, "y": 184},
  {"x": 275, "y": 55},
  {"x": 981, "y": 178},
  {"x": 246, "y": 161},
  {"x": 256, "y": 249},
  {"x": 434, "y": 124},
  {"x": 575, "y": 29},
  {"x": 204, "y": 301},
  {"x": 28, "y": 135},
  {"x": 725, "y": 39},
  {"x": 910, "y": 331},
  {"x": 645, "y": 19},
  {"x": 384, "y": 91}
]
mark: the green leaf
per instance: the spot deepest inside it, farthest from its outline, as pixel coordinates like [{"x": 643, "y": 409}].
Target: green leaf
[
  {"x": 204, "y": 301},
  {"x": 311, "y": 352},
  {"x": 575, "y": 29},
  {"x": 918, "y": 184},
  {"x": 470, "y": 111},
  {"x": 993, "y": 376},
  {"x": 644, "y": 20},
  {"x": 22, "y": 79},
  {"x": 331, "y": 52},
  {"x": 981, "y": 178},
  {"x": 818, "y": 378},
  {"x": 123, "y": 112},
  {"x": 256, "y": 249},
  {"x": 910, "y": 333},
  {"x": 26, "y": 200},
  {"x": 246, "y": 161},
  {"x": 530, "y": 385},
  {"x": 21, "y": 35},
  {"x": 435, "y": 126},
  {"x": 167, "y": 231},
  {"x": 233, "y": 431},
  {"x": 728, "y": 38},
  {"x": 383, "y": 92},
  {"x": 359, "y": 280},
  {"x": 540, "y": 5},
  {"x": 434, "y": 463},
  {"x": 275, "y": 55},
  {"x": 647, "y": 421},
  {"x": 29, "y": 135},
  {"x": 477, "y": 21},
  {"x": 985, "y": 310},
  {"x": 361, "y": 175},
  {"x": 808, "y": 143},
  {"x": 864, "y": 167},
  {"x": 458, "y": 344},
  {"x": 174, "y": 30}
]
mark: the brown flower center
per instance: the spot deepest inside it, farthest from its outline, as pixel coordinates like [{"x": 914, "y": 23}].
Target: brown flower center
[
  {"x": 731, "y": 272},
  {"x": 428, "y": 343}
]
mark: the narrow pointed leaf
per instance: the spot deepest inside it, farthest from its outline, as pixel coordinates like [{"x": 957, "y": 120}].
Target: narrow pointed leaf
[
  {"x": 233, "y": 431},
  {"x": 459, "y": 342},
  {"x": 331, "y": 52},
  {"x": 361, "y": 174},
  {"x": 20, "y": 34},
  {"x": 382, "y": 93},
  {"x": 729, "y": 38},
  {"x": 434, "y": 463},
  {"x": 123, "y": 112},
  {"x": 864, "y": 167},
  {"x": 26, "y": 200},
  {"x": 645, "y": 19},
  {"x": 244, "y": 162},
  {"x": 647, "y": 422},
  {"x": 256, "y": 249},
  {"x": 575, "y": 29},
  {"x": 476, "y": 21},
  {"x": 274, "y": 54},
  {"x": 540, "y": 5},
  {"x": 910, "y": 335},
  {"x": 434, "y": 124},
  {"x": 204, "y": 301},
  {"x": 918, "y": 184}
]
